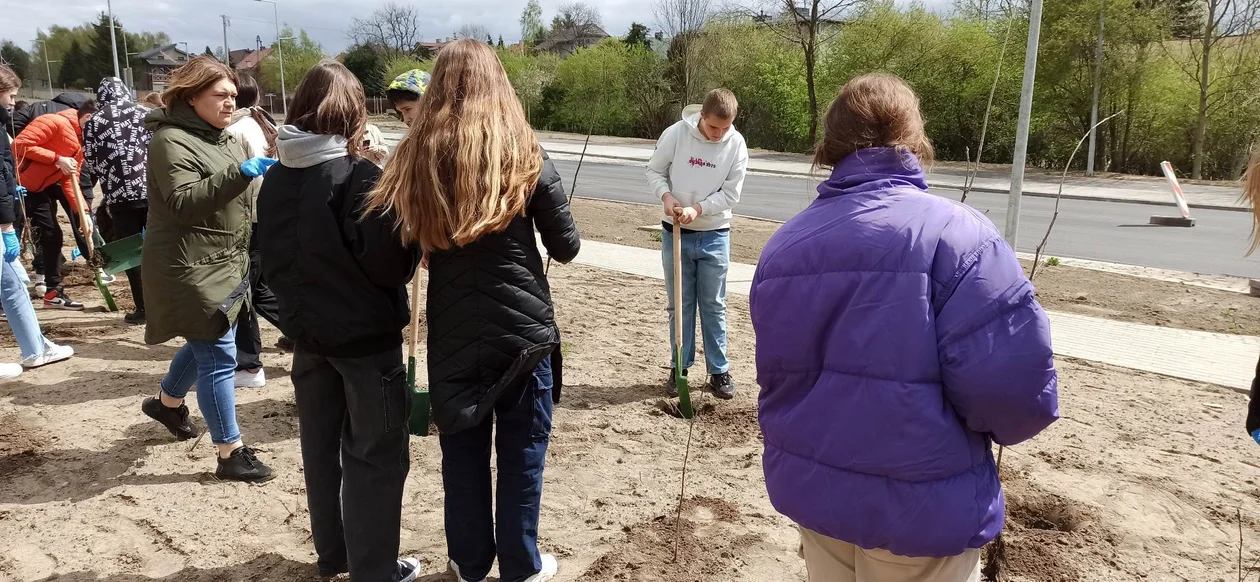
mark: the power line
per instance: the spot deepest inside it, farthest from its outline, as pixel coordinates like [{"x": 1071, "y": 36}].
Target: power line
[{"x": 291, "y": 25}]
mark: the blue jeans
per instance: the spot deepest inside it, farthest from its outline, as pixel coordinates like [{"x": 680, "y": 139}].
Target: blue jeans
[
  {"x": 522, "y": 417},
  {"x": 706, "y": 258},
  {"x": 211, "y": 364},
  {"x": 17, "y": 308}
]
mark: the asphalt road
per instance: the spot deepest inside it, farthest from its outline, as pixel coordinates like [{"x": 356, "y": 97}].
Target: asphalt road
[{"x": 1102, "y": 231}]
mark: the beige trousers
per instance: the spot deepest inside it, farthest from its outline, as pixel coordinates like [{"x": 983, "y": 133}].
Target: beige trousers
[{"x": 831, "y": 560}]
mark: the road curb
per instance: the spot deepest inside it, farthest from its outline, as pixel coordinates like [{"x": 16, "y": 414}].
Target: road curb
[{"x": 947, "y": 186}]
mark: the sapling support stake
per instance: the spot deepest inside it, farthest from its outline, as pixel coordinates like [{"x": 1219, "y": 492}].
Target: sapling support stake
[
  {"x": 682, "y": 490},
  {"x": 573, "y": 188},
  {"x": 972, "y": 169},
  {"x": 1059, "y": 197}
]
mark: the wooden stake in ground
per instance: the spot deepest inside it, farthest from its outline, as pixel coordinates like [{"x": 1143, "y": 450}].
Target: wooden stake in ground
[{"x": 419, "y": 423}]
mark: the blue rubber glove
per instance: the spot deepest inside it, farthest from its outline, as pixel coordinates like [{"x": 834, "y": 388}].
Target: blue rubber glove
[
  {"x": 255, "y": 167},
  {"x": 1255, "y": 435},
  {"x": 12, "y": 247},
  {"x": 21, "y": 191}
]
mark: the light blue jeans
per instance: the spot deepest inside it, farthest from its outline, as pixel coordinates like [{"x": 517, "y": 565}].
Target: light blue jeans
[
  {"x": 706, "y": 258},
  {"x": 211, "y": 365},
  {"x": 17, "y": 308}
]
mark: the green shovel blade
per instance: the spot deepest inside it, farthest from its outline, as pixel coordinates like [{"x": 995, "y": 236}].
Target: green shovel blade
[
  {"x": 684, "y": 393},
  {"x": 419, "y": 424},
  {"x": 121, "y": 254}
]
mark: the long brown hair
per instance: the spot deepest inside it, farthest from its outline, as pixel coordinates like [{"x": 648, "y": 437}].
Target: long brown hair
[
  {"x": 1251, "y": 194},
  {"x": 469, "y": 163},
  {"x": 329, "y": 101},
  {"x": 195, "y": 76},
  {"x": 875, "y": 110},
  {"x": 8, "y": 79}
]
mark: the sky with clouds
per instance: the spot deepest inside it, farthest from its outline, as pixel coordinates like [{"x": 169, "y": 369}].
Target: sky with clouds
[{"x": 197, "y": 22}]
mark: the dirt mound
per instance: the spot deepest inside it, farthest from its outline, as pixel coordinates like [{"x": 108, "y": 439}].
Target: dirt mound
[
  {"x": 708, "y": 541},
  {"x": 1044, "y": 533}
]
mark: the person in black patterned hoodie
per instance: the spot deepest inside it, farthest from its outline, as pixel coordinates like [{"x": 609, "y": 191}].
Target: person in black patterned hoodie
[{"x": 115, "y": 149}]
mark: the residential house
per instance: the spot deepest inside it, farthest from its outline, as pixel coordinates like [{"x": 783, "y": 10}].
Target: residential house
[
  {"x": 430, "y": 49},
  {"x": 154, "y": 67},
  {"x": 250, "y": 63},
  {"x": 567, "y": 41}
]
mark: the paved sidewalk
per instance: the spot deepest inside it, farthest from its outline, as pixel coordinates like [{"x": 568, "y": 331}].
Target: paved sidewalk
[
  {"x": 1136, "y": 189},
  {"x": 1222, "y": 359}
]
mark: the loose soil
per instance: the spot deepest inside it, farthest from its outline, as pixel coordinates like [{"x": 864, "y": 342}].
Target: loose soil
[
  {"x": 1059, "y": 288},
  {"x": 1142, "y": 478}
]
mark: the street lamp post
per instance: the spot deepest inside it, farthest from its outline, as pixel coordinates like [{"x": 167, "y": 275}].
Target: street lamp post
[
  {"x": 1021, "y": 126},
  {"x": 47, "y": 67},
  {"x": 284, "y": 95},
  {"x": 113, "y": 40},
  {"x": 185, "y": 49}
]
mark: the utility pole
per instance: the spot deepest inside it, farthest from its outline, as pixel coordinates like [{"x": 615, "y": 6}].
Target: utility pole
[
  {"x": 1021, "y": 129},
  {"x": 113, "y": 40},
  {"x": 227, "y": 58},
  {"x": 284, "y": 95},
  {"x": 1093, "y": 112}
]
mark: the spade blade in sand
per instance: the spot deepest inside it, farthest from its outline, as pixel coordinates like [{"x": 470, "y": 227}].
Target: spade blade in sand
[
  {"x": 680, "y": 374},
  {"x": 419, "y": 423}
]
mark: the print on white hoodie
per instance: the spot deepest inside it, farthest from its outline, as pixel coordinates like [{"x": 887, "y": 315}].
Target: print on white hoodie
[{"x": 694, "y": 169}]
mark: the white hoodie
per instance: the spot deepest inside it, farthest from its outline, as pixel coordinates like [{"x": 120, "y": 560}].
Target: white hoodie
[{"x": 694, "y": 169}]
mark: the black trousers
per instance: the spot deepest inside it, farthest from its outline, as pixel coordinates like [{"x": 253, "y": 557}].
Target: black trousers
[
  {"x": 263, "y": 302},
  {"x": 352, "y": 414},
  {"x": 129, "y": 219},
  {"x": 41, "y": 211}
]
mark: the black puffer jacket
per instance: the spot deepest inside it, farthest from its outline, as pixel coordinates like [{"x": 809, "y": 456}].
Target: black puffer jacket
[
  {"x": 8, "y": 171},
  {"x": 339, "y": 278},
  {"x": 489, "y": 308}
]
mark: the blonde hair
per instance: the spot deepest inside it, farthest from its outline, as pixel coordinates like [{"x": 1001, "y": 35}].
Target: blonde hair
[
  {"x": 875, "y": 110},
  {"x": 329, "y": 101},
  {"x": 1251, "y": 194},
  {"x": 720, "y": 103},
  {"x": 196, "y": 76},
  {"x": 470, "y": 161},
  {"x": 153, "y": 100}
]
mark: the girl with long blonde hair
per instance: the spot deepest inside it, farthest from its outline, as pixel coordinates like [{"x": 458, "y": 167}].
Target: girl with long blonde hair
[{"x": 470, "y": 184}]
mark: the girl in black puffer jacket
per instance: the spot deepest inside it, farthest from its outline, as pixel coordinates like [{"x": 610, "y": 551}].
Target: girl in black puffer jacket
[{"x": 471, "y": 184}]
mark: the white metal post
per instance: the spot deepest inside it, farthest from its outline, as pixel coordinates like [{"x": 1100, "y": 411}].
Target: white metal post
[{"x": 1021, "y": 129}]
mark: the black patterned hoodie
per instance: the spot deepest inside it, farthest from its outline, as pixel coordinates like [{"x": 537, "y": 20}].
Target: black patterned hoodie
[{"x": 116, "y": 145}]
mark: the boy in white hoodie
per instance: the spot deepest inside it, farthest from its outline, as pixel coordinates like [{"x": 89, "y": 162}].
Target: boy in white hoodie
[{"x": 698, "y": 171}]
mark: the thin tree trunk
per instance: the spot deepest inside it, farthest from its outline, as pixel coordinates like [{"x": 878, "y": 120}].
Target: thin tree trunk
[
  {"x": 809, "y": 84},
  {"x": 1200, "y": 126}
]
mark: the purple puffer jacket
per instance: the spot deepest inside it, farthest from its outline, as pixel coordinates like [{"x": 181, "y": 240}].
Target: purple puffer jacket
[{"x": 896, "y": 335}]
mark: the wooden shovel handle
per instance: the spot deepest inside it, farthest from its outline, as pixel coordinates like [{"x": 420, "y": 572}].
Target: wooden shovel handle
[
  {"x": 415, "y": 315},
  {"x": 678, "y": 287}
]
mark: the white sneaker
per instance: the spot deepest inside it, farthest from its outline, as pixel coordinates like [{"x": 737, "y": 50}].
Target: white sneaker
[
  {"x": 549, "y": 569},
  {"x": 247, "y": 379},
  {"x": 106, "y": 278},
  {"x": 408, "y": 569},
  {"x": 10, "y": 371},
  {"x": 53, "y": 353},
  {"x": 460, "y": 577},
  {"x": 40, "y": 289}
]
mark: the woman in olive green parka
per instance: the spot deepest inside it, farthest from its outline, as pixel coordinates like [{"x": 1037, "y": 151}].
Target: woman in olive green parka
[{"x": 196, "y": 256}]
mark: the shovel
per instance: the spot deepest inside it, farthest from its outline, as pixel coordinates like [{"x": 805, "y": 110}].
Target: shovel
[
  {"x": 419, "y": 423},
  {"x": 680, "y": 375},
  {"x": 85, "y": 226},
  {"x": 122, "y": 254}
]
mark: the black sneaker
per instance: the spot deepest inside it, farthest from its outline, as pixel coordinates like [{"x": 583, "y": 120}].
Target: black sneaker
[
  {"x": 174, "y": 419},
  {"x": 57, "y": 299},
  {"x": 136, "y": 318},
  {"x": 285, "y": 343},
  {"x": 671, "y": 386},
  {"x": 722, "y": 386},
  {"x": 243, "y": 465},
  {"x": 330, "y": 572}
]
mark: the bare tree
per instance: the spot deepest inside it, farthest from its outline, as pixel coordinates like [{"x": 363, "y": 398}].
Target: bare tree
[
  {"x": 1220, "y": 56},
  {"x": 393, "y": 27},
  {"x": 809, "y": 24},
  {"x": 683, "y": 20},
  {"x": 473, "y": 31},
  {"x": 576, "y": 15}
]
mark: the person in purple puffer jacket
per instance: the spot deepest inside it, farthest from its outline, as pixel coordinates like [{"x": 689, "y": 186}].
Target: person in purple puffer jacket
[{"x": 897, "y": 338}]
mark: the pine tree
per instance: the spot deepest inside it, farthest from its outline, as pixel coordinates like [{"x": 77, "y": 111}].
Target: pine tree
[
  {"x": 501, "y": 41},
  {"x": 100, "y": 63},
  {"x": 368, "y": 64},
  {"x": 72, "y": 71},
  {"x": 208, "y": 52}
]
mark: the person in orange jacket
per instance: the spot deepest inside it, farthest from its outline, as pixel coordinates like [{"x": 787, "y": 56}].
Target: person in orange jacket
[{"x": 49, "y": 153}]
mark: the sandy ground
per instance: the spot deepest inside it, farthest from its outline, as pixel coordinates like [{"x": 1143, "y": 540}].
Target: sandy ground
[
  {"x": 1142, "y": 478},
  {"x": 1060, "y": 288}
]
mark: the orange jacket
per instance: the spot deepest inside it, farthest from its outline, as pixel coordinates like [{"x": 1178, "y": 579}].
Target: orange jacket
[{"x": 36, "y": 149}]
